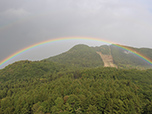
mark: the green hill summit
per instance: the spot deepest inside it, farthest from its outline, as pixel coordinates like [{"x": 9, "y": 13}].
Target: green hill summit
[{"x": 79, "y": 56}]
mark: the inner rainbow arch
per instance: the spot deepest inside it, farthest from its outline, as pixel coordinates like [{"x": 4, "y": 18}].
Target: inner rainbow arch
[{"x": 73, "y": 38}]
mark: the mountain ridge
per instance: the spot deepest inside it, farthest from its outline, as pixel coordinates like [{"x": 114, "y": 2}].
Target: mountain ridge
[
  {"x": 119, "y": 58},
  {"x": 79, "y": 56}
]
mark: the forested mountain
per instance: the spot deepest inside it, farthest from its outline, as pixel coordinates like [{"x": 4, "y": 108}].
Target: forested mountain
[
  {"x": 76, "y": 82},
  {"x": 85, "y": 56},
  {"x": 79, "y": 56},
  {"x": 125, "y": 59}
]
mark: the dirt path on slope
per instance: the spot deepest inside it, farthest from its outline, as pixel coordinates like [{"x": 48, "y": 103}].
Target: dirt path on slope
[{"x": 107, "y": 59}]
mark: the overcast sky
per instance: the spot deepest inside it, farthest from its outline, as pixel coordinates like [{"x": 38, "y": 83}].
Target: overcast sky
[{"x": 26, "y": 22}]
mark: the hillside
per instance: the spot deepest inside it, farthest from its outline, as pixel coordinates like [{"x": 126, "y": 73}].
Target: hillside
[
  {"x": 125, "y": 59},
  {"x": 28, "y": 69},
  {"x": 79, "y": 82},
  {"x": 65, "y": 91},
  {"x": 105, "y": 55},
  {"x": 79, "y": 56},
  {"x": 107, "y": 59}
]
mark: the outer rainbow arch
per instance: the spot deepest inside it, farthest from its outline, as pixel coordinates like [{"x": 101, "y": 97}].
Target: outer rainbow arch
[{"x": 73, "y": 38}]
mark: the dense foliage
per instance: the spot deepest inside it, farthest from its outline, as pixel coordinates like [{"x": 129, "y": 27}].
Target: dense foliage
[
  {"x": 76, "y": 82},
  {"x": 22, "y": 69},
  {"x": 85, "y": 56},
  {"x": 79, "y": 56},
  {"x": 104, "y": 49},
  {"x": 44, "y": 87},
  {"x": 126, "y": 59}
]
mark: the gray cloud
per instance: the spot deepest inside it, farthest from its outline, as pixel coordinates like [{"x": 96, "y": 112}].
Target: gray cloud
[{"x": 24, "y": 22}]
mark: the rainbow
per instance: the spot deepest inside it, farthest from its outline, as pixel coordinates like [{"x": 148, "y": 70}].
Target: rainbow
[{"x": 73, "y": 38}]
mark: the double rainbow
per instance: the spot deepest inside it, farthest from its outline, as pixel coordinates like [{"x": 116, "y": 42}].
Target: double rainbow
[{"x": 73, "y": 38}]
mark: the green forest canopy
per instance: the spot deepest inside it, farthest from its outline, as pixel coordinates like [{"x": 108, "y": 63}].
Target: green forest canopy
[{"x": 45, "y": 87}]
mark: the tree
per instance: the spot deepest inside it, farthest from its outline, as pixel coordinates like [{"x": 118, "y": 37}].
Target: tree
[{"x": 92, "y": 109}]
